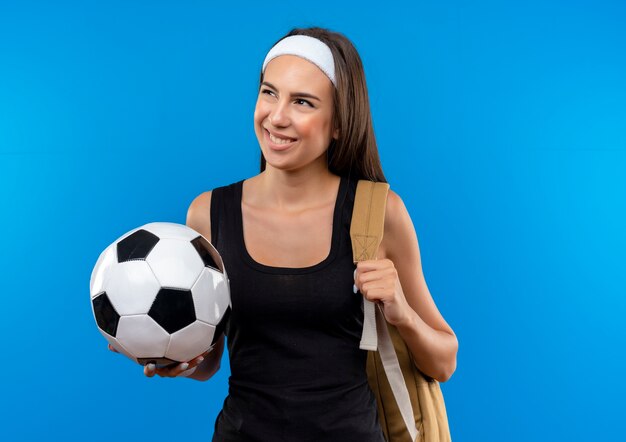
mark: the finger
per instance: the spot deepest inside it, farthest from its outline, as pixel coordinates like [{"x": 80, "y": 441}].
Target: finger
[
  {"x": 367, "y": 265},
  {"x": 361, "y": 277},
  {"x": 370, "y": 292},
  {"x": 372, "y": 264},
  {"x": 196, "y": 361},
  {"x": 149, "y": 370},
  {"x": 179, "y": 369},
  {"x": 382, "y": 274},
  {"x": 378, "y": 294},
  {"x": 172, "y": 372},
  {"x": 365, "y": 271},
  {"x": 166, "y": 372},
  {"x": 113, "y": 349},
  {"x": 378, "y": 285}
]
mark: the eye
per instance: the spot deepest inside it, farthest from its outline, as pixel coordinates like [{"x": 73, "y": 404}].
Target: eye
[
  {"x": 297, "y": 100},
  {"x": 304, "y": 101}
]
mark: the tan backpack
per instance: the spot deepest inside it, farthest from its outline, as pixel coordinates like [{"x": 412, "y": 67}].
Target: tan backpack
[{"x": 410, "y": 404}]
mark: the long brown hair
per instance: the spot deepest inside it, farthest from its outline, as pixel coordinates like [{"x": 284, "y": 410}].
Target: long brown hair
[{"x": 355, "y": 153}]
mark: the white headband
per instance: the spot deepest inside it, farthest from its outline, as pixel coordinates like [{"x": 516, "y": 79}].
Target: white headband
[{"x": 309, "y": 48}]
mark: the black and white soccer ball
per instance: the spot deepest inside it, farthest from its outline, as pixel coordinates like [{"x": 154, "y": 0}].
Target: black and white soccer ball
[{"x": 160, "y": 294}]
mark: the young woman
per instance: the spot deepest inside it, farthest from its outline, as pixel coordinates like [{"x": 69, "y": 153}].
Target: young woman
[{"x": 297, "y": 372}]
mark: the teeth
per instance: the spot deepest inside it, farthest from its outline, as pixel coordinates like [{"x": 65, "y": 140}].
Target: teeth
[{"x": 279, "y": 140}]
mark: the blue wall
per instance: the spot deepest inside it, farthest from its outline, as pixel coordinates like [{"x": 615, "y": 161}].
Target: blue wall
[{"x": 502, "y": 127}]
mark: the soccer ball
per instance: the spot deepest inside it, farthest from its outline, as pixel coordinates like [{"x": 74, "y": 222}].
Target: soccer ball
[{"x": 160, "y": 294}]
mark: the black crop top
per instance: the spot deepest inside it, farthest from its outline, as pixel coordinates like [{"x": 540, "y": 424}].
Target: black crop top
[{"x": 297, "y": 373}]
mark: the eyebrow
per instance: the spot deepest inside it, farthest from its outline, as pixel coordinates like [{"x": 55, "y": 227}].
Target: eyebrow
[{"x": 294, "y": 94}]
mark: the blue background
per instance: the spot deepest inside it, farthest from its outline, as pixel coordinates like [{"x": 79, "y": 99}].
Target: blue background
[{"x": 501, "y": 126}]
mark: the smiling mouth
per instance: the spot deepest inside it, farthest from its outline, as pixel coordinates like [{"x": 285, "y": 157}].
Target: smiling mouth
[{"x": 278, "y": 140}]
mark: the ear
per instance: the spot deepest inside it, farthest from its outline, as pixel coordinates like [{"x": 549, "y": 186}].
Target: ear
[{"x": 336, "y": 134}]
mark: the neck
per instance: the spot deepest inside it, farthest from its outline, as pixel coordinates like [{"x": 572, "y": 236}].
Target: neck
[{"x": 296, "y": 190}]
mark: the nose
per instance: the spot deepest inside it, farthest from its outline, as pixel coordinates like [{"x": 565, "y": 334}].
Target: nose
[{"x": 279, "y": 115}]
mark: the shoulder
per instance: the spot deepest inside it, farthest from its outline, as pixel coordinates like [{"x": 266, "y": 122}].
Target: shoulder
[
  {"x": 200, "y": 203},
  {"x": 199, "y": 211},
  {"x": 398, "y": 227},
  {"x": 200, "y": 207},
  {"x": 199, "y": 214},
  {"x": 394, "y": 208}
]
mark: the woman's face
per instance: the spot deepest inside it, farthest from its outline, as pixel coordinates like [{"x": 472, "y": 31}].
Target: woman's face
[{"x": 293, "y": 114}]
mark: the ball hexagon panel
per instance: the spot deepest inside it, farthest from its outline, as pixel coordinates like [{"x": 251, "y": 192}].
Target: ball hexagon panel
[
  {"x": 175, "y": 263},
  {"x": 136, "y": 245},
  {"x": 106, "y": 260},
  {"x": 173, "y": 309},
  {"x": 142, "y": 337},
  {"x": 171, "y": 231},
  {"x": 207, "y": 252},
  {"x": 105, "y": 314},
  {"x": 210, "y": 296},
  {"x": 184, "y": 341},
  {"x": 131, "y": 287}
]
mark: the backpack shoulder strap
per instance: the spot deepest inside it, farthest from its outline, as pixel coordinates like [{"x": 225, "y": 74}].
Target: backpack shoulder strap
[
  {"x": 368, "y": 219},
  {"x": 366, "y": 234}
]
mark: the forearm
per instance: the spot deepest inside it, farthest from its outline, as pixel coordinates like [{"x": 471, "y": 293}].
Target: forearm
[
  {"x": 211, "y": 364},
  {"x": 434, "y": 351}
]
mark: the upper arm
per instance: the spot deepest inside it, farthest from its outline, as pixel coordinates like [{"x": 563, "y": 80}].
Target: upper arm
[
  {"x": 401, "y": 247},
  {"x": 199, "y": 215},
  {"x": 199, "y": 219}
]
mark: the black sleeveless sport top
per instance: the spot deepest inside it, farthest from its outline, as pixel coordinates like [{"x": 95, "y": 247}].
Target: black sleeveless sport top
[{"x": 297, "y": 373}]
